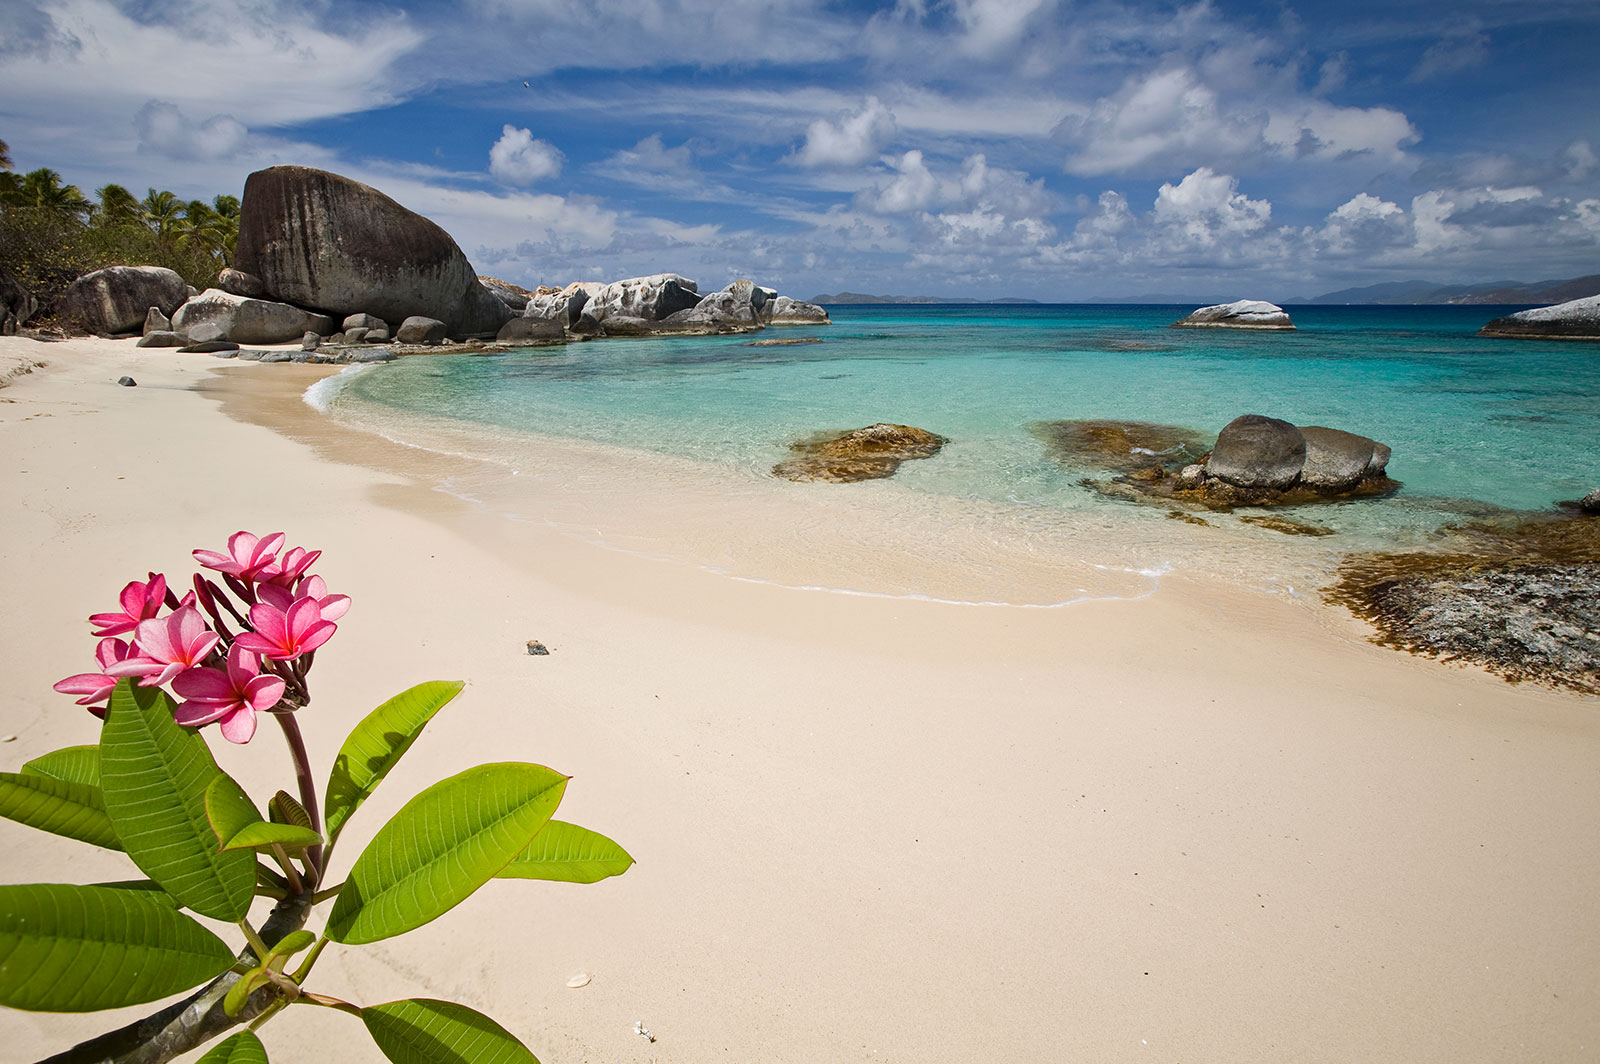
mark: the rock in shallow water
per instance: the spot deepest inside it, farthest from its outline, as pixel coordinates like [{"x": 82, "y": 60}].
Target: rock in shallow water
[
  {"x": 1577, "y": 319},
  {"x": 1243, "y": 314},
  {"x": 869, "y": 453},
  {"x": 1121, "y": 446}
]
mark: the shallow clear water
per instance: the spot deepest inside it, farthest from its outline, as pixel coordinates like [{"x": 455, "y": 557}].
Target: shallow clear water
[{"x": 1508, "y": 423}]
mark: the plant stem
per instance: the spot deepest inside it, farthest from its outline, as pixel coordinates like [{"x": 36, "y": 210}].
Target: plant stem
[
  {"x": 310, "y": 958},
  {"x": 329, "y": 1003},
  {"x": 308, "y": 788}
]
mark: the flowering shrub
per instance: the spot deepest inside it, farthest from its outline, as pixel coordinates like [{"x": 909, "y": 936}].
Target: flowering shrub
[{"x": 237, "y": 647}]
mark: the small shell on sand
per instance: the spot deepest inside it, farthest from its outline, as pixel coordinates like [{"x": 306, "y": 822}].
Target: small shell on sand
[{"x": 579, "y": 980}]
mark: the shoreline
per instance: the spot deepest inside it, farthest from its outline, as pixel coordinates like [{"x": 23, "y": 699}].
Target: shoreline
[{"x": 1200, "y": 824}]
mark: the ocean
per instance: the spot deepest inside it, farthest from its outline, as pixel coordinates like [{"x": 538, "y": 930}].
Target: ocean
[{"x": 688, "y": 428}]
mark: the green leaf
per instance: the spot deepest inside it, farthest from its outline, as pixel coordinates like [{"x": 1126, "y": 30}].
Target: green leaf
[
  {"x": 425, "y": 1031},
  {"x": 69, "y": 948},
  {"x": 58, "y": 806},
  {"x": 566, "y": 853},
  {"x": 441, "y": 846},
  {"x": 145, "y": 888},
  {"x": 238, "y": 826},
  {"x": 75, "y": 764},
  {"x": 375, "y": 744},
  {"x": 242, "y": 1048},
  {"x": 154, "y": 774},
  {"x": 233, "y": 1001}
]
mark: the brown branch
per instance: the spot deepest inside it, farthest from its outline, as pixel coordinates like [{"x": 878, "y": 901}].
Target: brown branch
[{"x": 198, "y": 1018}]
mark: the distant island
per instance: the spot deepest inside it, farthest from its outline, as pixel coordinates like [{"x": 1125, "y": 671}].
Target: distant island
[
  {"x": 1500, "y": 292},
  {"x": 857, "y": 297}
]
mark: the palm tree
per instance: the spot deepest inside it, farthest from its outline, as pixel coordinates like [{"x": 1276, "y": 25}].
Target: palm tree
[
  {"x": 227, "y": 215},
  {"x": 118, "y": 209},
  {"x": 42, "y": 188},
  {"x": 5, "y": 156},
  {"x": 162, "y": 213}
]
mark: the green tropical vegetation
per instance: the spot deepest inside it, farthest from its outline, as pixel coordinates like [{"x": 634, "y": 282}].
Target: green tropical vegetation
[{"x": 51, "y": 233}]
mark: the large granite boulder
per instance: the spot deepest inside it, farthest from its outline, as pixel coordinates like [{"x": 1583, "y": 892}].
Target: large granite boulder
[
  {"x": 651, "y": 298},
  {"x": 1243, "y": 314},
  {"x": 860, "y": 454},
  {"x": 320, "y": 240},
  {"x": 421, "y": 330},
  {"x": 16, "y": 303},
  {"x": 741, "y": 305},
  {"x": 117, "y": 298},
  {"x": 1258, "y": 452},
  {"x": 1577, "y": 319},
  {"x": 241, "y": 284},
  {"x": 248, "y": 321},
  {"x": 564, "y": 305},
  {"x": 786, "y": 311}
]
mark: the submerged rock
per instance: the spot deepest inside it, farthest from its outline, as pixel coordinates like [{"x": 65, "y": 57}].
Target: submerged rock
[
  {"x": 869, "y": 453},
  {"x": 1577, "y": 319},
  {"x": 1120, "y": 446},
  {"x": 1243, "y": 314}
]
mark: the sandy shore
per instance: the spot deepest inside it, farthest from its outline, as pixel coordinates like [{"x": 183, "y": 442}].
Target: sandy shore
[{"x": 1200, "y": 825}]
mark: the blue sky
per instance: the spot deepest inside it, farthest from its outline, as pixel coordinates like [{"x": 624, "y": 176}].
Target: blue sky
[{"x": 1050, "y": 149}]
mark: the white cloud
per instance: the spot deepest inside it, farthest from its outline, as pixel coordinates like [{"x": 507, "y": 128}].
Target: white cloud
[
  {"x": 1362, "y": 225},
  {"x": 518, "y": 159},
  {"x": 914, "y": 188},
  {"x": 164, "y": 129},
  {"x": 976, "y": 185},
  {"x": 1207, "y": 207},
  {"x": 991, "y": 26},
  {"x": 1463, "y": 48},
  {"x": 849, "y": 141}
]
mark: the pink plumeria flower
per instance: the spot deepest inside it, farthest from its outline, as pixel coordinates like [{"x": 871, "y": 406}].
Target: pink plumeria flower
[
  {"x": 96, "y": 686},
  {"x": 167, "y": 647},
  {"x": 233, "y": 697},
  {"x": 248, "y": 557},
  {"x": 141, "y": 600},
  {"x": 291, "y": 566},
  {"x": 284, "y": 633},
  {"x": 331, "y": 607}
]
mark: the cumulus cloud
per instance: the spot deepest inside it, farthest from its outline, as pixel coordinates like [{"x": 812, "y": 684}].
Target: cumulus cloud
[
  {"x": 163, "y": 128},
  {"x": 1154, "y": 118},
  {"x": 914, "y": 187},
  {"x": 519, "y": 159},
  {"x": 975, "y": 184},
  {"x": 991, "y": 26},
  {"x": 848, "y": 141},
  {"x": 1363, "y": 224},
  {"x": 1207, "y": 207}
]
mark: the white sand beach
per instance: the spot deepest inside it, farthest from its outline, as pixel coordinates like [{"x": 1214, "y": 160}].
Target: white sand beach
[{"x": 1203, "y": 824}]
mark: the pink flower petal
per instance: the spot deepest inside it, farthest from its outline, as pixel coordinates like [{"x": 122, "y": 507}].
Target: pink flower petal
[{"x": 239, "y": 726}]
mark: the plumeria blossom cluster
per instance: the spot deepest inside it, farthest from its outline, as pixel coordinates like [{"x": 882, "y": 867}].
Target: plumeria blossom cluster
[{"x": 228, "y": 657}]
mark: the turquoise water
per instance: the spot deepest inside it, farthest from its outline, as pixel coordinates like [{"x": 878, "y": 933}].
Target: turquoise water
[{"x": 1472, "y": 422}]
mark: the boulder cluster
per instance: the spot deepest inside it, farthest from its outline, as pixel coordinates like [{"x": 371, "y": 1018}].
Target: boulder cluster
[
  {"x": 1256, "y": 461},
  {"x": 321, "y": 255}
]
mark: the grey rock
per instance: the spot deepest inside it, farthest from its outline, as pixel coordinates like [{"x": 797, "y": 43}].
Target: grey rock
[
  {"x": 651, "y": 298},
  {"x": 317, "y": 239},
  {"x": 229, "y": 352},
  {"x": 240, "y": 283},
  {"x": 356, "y": 335},
  {"x": 513, "y": 296},
  {"x": 786, "y": 311},
  {"x": 1243, "y": 314},
  {"x": 206, "y": 331},
  {"x": 118, "y": 298},
  {"x": 1253, "y": 451},
  {"x": 624, "y": 325},
  {"x": 1590, "y": 503},
  {"x": 276, "y": 356},
  {"x": 310, "y": 341},
  {"x": 1336, "y": 460},
  {"x": 377, "y": 336},
  {"x": 743, "y": 305},
  {"x": 127, "y": 382},
  {"x": 363, "y": 321},
  {"x": 155, "y": 321},
  {"x": 209, "y": 347},
  {"x": 526, "y": 328},
  {"x": 249, "y": 321},
  {"x": 1577, "y": 319},
  {"x": 252, "y": 355},
  {"x": 565, "y": 305},
  {"x": 161, "y": 339},
  {"x": 422, "y": 330}
]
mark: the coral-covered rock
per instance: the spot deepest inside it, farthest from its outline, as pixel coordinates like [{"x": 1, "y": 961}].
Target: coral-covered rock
[{"x": 861, "y": 454}]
